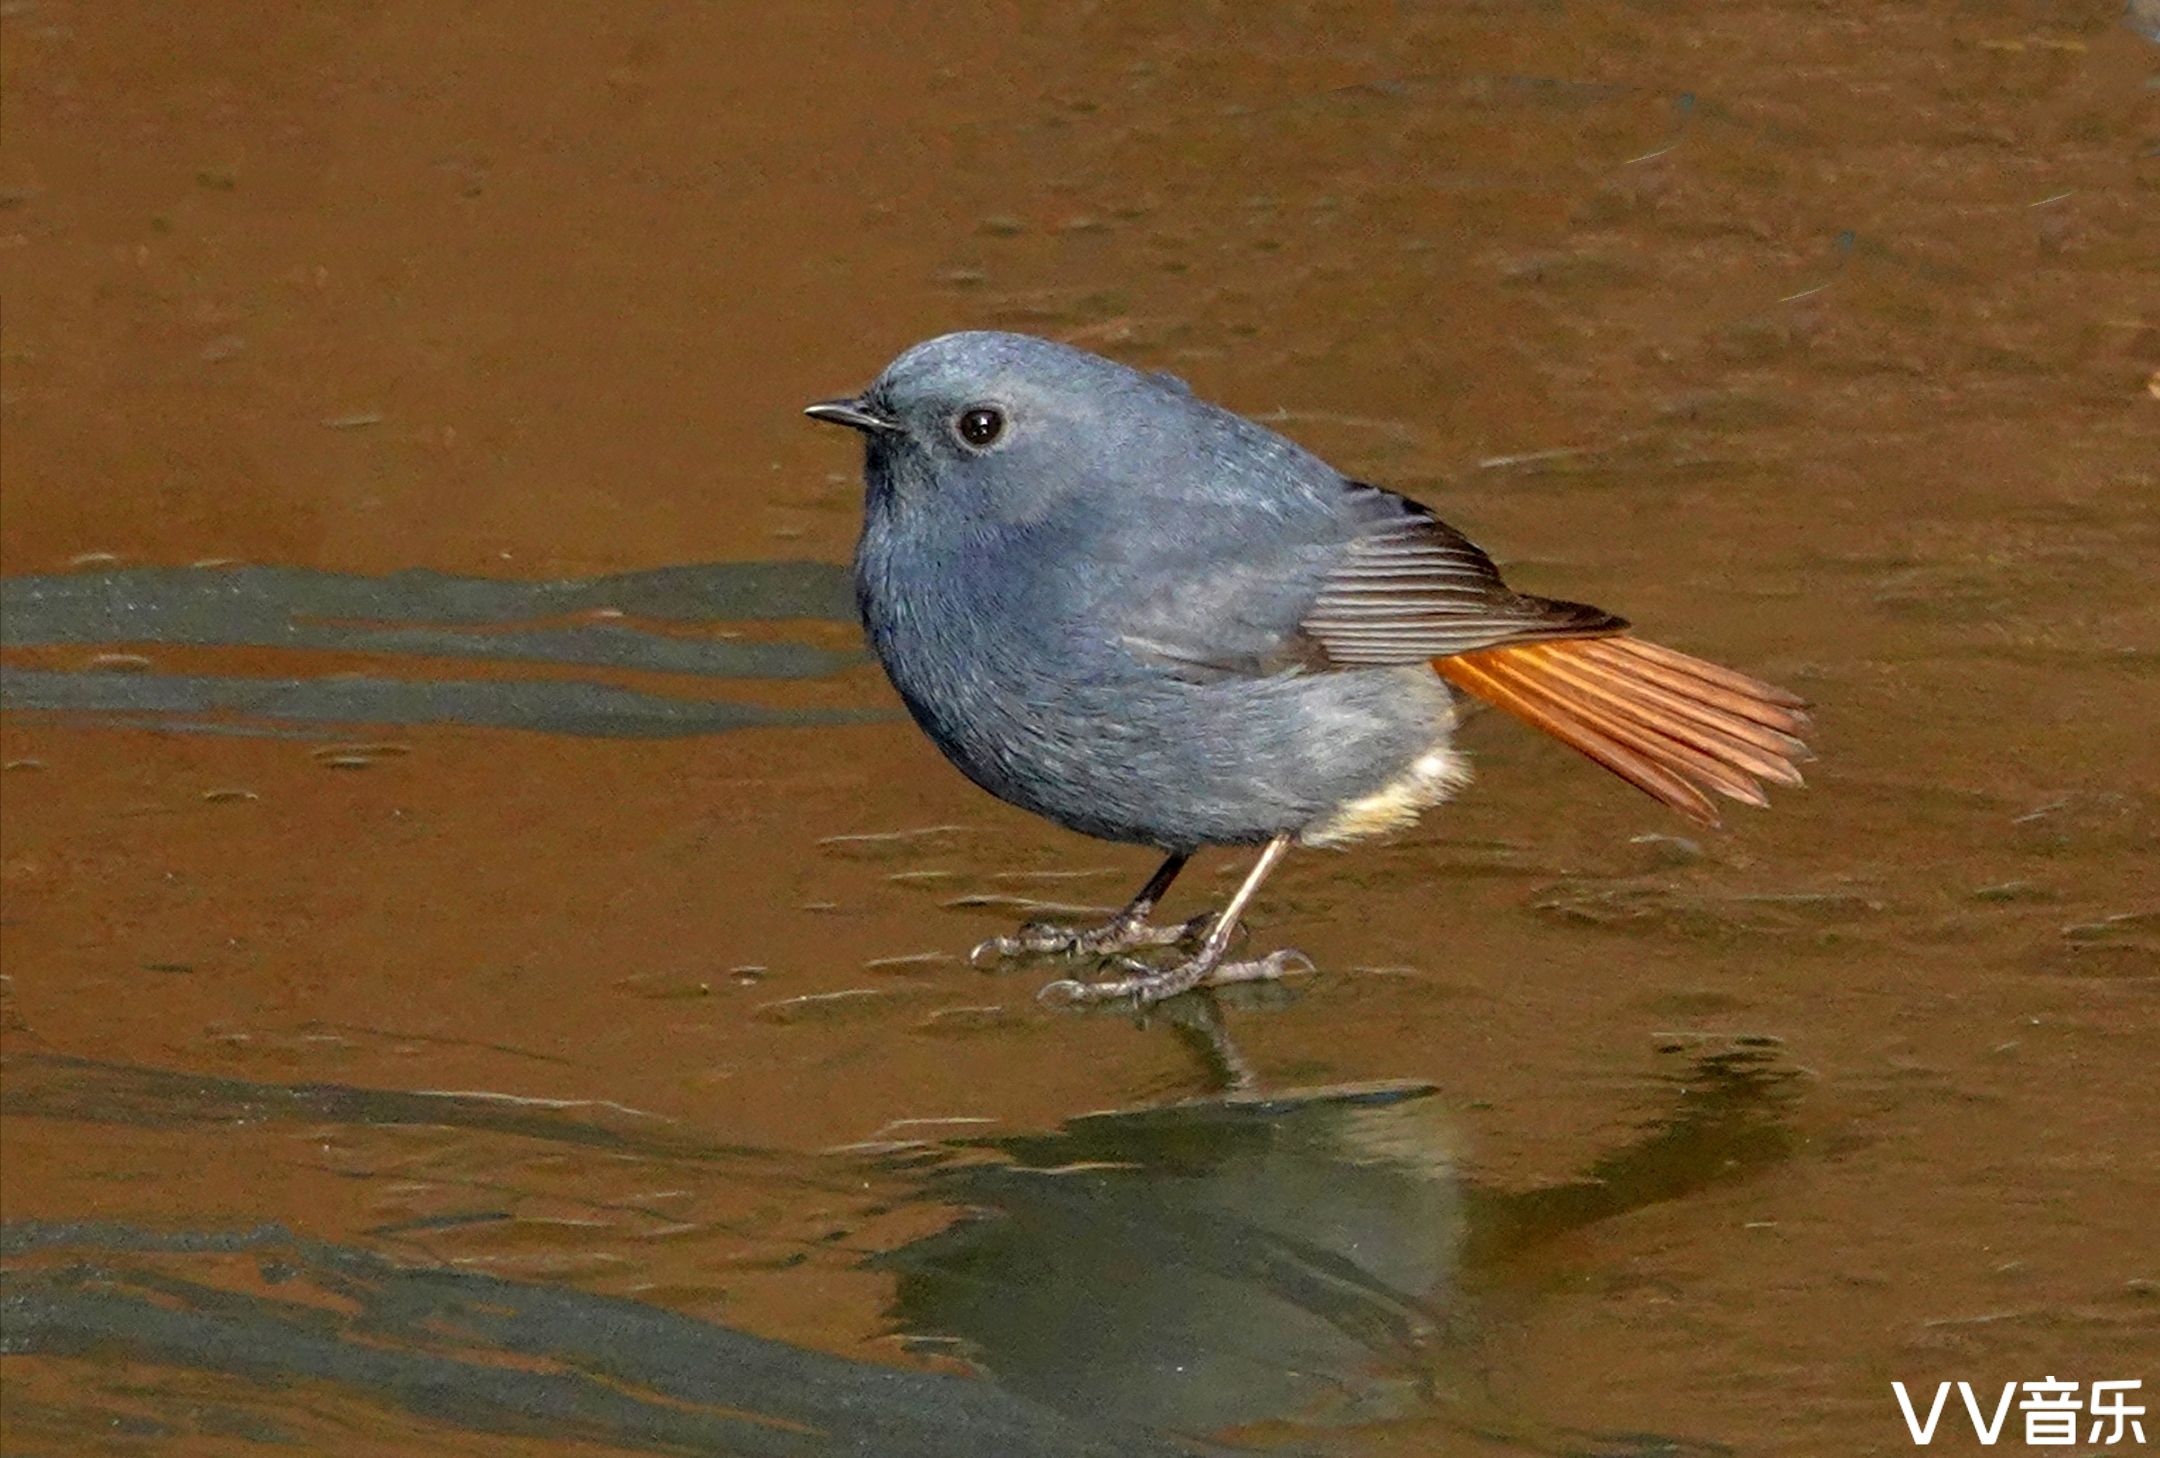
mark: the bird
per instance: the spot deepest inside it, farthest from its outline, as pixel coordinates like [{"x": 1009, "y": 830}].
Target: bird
[{"x": 1152, "y": 620}]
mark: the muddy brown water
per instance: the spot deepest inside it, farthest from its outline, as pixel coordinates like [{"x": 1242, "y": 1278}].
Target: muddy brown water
[{"x": 480, "y": 945}]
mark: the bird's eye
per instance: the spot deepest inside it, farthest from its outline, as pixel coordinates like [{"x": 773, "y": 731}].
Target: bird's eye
[{"x": 980, "y": 425}]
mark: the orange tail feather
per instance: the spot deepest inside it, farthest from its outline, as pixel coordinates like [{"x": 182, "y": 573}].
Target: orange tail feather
[{"x": 1671, "y": 725}]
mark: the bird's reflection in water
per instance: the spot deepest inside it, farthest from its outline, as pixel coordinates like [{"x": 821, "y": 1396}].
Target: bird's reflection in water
[{"x": 1316, "y": 1257}]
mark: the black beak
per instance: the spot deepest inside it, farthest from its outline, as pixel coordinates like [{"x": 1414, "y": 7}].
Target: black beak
[{"x": 851, "y": 414}]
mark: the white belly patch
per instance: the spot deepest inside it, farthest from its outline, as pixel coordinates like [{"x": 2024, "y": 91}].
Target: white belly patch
[{"x": 1437, "y": 774}]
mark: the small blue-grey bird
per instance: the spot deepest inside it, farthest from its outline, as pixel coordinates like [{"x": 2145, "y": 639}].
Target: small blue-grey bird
[{"x": 1152, "y": 620}]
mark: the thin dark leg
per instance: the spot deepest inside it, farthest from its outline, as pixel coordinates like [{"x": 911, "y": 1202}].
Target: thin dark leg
[
  {"x": 1145, "y": 984},
  {"x": 1126, "y": 932},
  {"x": 1157, "y": 886}
]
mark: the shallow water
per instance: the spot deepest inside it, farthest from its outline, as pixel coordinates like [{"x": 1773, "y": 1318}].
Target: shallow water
[{"x": 482, "y": 950}]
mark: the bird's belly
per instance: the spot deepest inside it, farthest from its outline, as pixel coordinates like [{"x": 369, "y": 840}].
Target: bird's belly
[{"x": 1132, "y": 754}]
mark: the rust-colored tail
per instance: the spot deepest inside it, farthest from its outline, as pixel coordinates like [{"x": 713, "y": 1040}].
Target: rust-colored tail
[{"x": 1671, "y": 725}]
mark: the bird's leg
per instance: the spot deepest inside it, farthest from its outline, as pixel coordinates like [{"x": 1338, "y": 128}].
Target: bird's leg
[
  {"x": 1128, "y": 931},
  {"x": 1145, "y": 984}
]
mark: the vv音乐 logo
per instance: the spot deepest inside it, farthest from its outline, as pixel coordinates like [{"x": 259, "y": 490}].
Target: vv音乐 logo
[{"x": 2056, "y": 1414}]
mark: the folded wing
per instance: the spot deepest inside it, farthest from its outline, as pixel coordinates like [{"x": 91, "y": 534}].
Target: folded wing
[
  {"x": 1361, "y": 578},
  {"x": 1412, "y": 589}
]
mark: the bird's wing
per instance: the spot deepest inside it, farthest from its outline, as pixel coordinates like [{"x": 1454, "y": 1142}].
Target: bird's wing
[
  {"x": 1680, "y": 729},
  {"x": 1368, "y": 579},
  {"x": 1410, "y": 588},
  {"x": 1394, "y": 585}
]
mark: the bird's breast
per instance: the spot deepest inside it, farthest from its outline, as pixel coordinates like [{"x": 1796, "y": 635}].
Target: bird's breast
[{"x": 969, "y": 641}]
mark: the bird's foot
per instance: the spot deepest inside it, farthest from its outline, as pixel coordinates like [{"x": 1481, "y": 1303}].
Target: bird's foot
[
  {"x": 1114, "y": 937},
  {"x": 1143, "y": 985}
]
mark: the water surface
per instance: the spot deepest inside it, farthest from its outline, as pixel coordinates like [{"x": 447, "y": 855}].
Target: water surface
[{"x": 481, "y": 948}]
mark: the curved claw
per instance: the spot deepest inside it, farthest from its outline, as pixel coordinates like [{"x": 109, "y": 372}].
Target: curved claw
[
  {"x": 1144, "y": 985},
  {"x": 1032, "y": 938},
  {"x": 1049, "y": 939},
  {"x": 1136, "y": 977},
  {"x": 1268, "y": 969}
]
